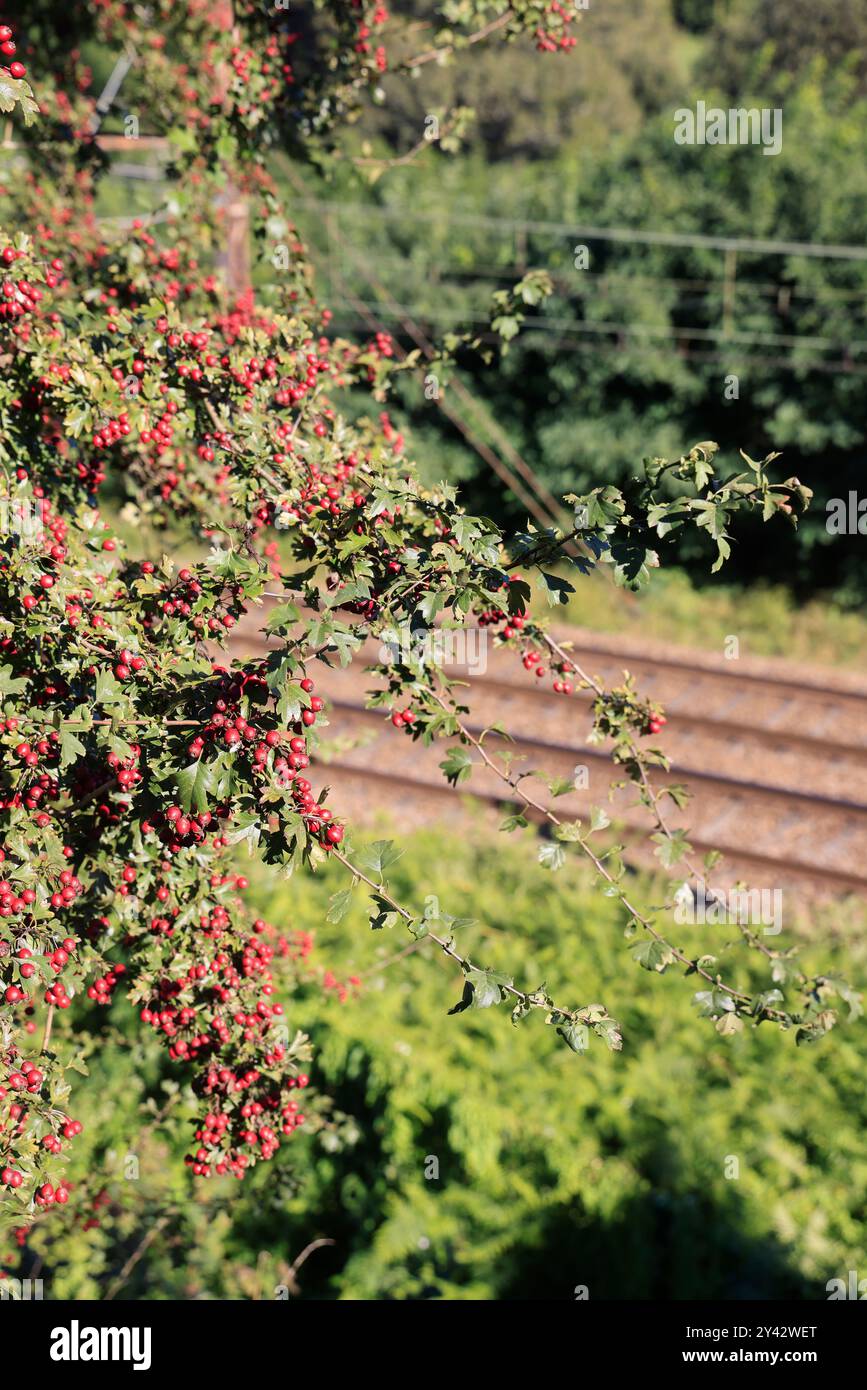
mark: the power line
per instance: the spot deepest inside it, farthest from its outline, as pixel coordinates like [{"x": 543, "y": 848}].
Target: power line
[
  {"x": 578, "y": 345},
  {"x": 752, "y": 245},
  {"x": 534, "y": 495},
  {"x": 673, "y": 333},
  {"x": 727, "y": 292}
]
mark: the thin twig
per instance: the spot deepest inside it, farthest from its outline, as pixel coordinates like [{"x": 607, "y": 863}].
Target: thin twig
[{"x": 146, "y": 1241}]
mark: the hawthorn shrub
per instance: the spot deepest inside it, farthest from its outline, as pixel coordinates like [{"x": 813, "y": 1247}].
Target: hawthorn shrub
[{"x": 137, "y": 753}]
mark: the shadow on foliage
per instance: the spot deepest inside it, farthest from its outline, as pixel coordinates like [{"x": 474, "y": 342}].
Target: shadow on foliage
[{"x": 663, "y": 1245}]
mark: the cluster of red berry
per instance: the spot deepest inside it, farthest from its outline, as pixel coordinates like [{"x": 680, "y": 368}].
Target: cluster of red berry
[
  {"x": 267, "y": 753},
  {"x": 47, "y": 1194},
  {"x": 33, "y": 754},
  {"x": 8, "y": 49},
  {"x": 512, "y": 630},
  {"x": 176, "y": 829},
  {"x": 556, "y": 35},
  {"x": 324, "y": 492},
  {"x": 375, "y": 16},
  {"x": 102, "y": 988},
  {"x": 261, "y": 75},
  {"x": 299, "y": 948},
  {"x": 13, "y": 903},
  {"x": 26, "y": 1079},
  {"x": 102, "y": 1199},
  {"x": 18, "y": 298},
  {"x": 341, "y": 991},
  {"x": 110, "y": 431},
  {"x": 177, "y": 598},
  {"x": 30, "y": 793},
  {"x": 209, "y": 985},
  {"x": 317, "y": 818},
  {"x": 390, "y": 434},
  {"x": 223, "y": 1010},
  {"x": 224, "y": 1131},
  {"x": 56, "y": 995},
  {"x": 532, "y": 661},
  {"x": 126, "y": 769}
]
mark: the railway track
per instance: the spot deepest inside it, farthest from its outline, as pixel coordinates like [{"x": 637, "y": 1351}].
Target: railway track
[
  {"x": 774, "y": 764},
  {"x": 414, "y": 802}
]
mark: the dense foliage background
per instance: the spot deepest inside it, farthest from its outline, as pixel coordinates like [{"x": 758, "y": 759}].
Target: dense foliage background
[{"x": 589, "y": 142}]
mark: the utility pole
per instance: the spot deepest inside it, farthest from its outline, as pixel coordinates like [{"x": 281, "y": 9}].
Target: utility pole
[{"x": 235, "y": 259}]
